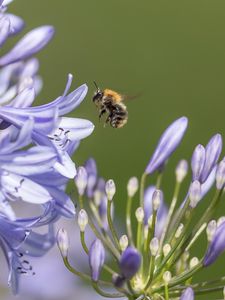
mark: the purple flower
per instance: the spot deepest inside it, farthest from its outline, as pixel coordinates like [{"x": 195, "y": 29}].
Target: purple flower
[
  {"x": 17, "y": 240},
  {"x": 187, "y": 294},
  {"x": 167, "y": 144},
  {"x": 96, "y": 259},
  {"x": 216, "y": 247},
  {"x": 130, "y": 262}
]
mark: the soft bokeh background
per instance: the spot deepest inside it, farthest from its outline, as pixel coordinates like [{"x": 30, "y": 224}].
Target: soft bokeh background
[{"x": 172, "y": 52}]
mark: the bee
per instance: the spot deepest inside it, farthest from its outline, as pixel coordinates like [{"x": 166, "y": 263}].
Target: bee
[{"x": 111, "y": 103}]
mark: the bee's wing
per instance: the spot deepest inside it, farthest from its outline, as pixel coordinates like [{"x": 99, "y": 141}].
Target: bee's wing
[{"x": 131, "y": 97}]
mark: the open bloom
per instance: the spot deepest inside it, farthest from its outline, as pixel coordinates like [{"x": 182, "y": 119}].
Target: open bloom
[{"x": 36, "y": 145}]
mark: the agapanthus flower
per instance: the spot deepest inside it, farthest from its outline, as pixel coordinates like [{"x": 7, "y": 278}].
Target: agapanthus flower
[
  {"x": 36, "y": 146},
  {"x": 157, "y": 260}
]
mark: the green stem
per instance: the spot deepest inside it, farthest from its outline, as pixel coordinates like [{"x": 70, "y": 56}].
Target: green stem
[
  {"x": 103, "y": 239},
  {"x": 182, "y": 277},
  {"x": 80, "y": 199},
  {"x": 170, "y": 213},
  {"x": 128, "y": 220},
  {"x": 166, "y": 292},
  {"x": 112, "y": 229},
  {"x": 104, "y": 233},
  {"x": 139, "y": 236},
  {"x": 151, "y": 271},
  {"x": 81, "y": 275},
  {"x": 142, "y": 186},
  {"x": 159, "y": 180},
  {"x": 83, "y": 243},
  {"x": 105, "y": 294}
]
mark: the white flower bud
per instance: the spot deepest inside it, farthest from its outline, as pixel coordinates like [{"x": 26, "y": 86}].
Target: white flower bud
[
  {"x": 132, "y": 186},
  {"x": 110, "y": 189},
  {"x": 123, "y": 242},
  {"x": 211, "y": 229},
  {"x": 139, "y": 214},
  {"x": 167, "y": 276},
  {"x": 194, "y": 193},
  {"x": 181, "y": 170},
  {"x": 179, "y": 231},
  {"x": 166, "y": 249},
  {"x": 156, "y": 200},
  {"x": 193, "y": 262},
  {"x": 82, "y": 220},
  {"x": 63, "y": 242},
  {"x": 154, "y": 246},
  {"x": 81, "y": 180}
]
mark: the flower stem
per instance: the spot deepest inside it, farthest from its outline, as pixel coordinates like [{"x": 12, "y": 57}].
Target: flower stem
[
  {"x": 128, "y": 220},
  {"x": 166, "y": 292},
  {"x": 142, "y": 186},
  {"x": 111, "y": 226},
  {"x": 170, "y": 213},
  {"x": 105, "y": 294}
]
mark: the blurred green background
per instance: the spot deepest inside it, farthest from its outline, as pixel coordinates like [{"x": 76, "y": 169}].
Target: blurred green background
[{"x": 172, "y": 52}]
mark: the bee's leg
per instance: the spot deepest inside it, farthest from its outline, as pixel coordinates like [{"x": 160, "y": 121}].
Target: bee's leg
[{"x": 102, "y": 112}]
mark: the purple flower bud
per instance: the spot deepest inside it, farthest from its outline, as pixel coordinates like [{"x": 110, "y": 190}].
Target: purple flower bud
[
  {"x": 91, "y": 169},
  {"x": 187, "y": 294},
  {"x": 213, "y": 150},
  {"x": 197, "y": 162},
  {"x": 96, "y": 259},
  {"x": 216, "y": 247},
  {"x": 130, "y": 262},
  {"x": 220, "y": 175},
  {"x": 30, "y": 44},
  {"x": 167, "y": 144}
]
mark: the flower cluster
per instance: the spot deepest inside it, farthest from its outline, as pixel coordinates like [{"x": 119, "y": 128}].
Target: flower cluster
[
  {"x": 36, "y": 145},
  {"x": 154, "y": 259}
]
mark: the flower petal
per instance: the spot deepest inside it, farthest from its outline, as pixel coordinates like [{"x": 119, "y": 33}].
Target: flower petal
[
  {"x": 36, "y": 160},
  {"x": 4, "y": 30},
  {"x": 44, "y": 119},
  {"x": 16, "y": 23},
  {"x": 78, "y": 128},
  {"x": 30, "y": 44},
  {"x": 22, "y": 188}
]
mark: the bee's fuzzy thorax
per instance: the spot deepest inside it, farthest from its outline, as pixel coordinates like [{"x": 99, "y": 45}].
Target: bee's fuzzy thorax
[{"x": 114, "y": 95}]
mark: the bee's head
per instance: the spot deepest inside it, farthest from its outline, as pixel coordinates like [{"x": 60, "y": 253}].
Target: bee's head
[{"x": 97, "y": 95}]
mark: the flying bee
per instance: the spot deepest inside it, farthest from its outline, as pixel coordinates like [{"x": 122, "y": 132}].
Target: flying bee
[{"x": 111, "y": 103}]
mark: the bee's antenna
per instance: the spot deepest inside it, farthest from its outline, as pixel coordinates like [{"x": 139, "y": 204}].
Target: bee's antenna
[{"x": 96, "y": 85}]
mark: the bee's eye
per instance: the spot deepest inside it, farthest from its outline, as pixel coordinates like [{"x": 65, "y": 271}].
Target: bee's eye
[{"x": 97, "y": 96}]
